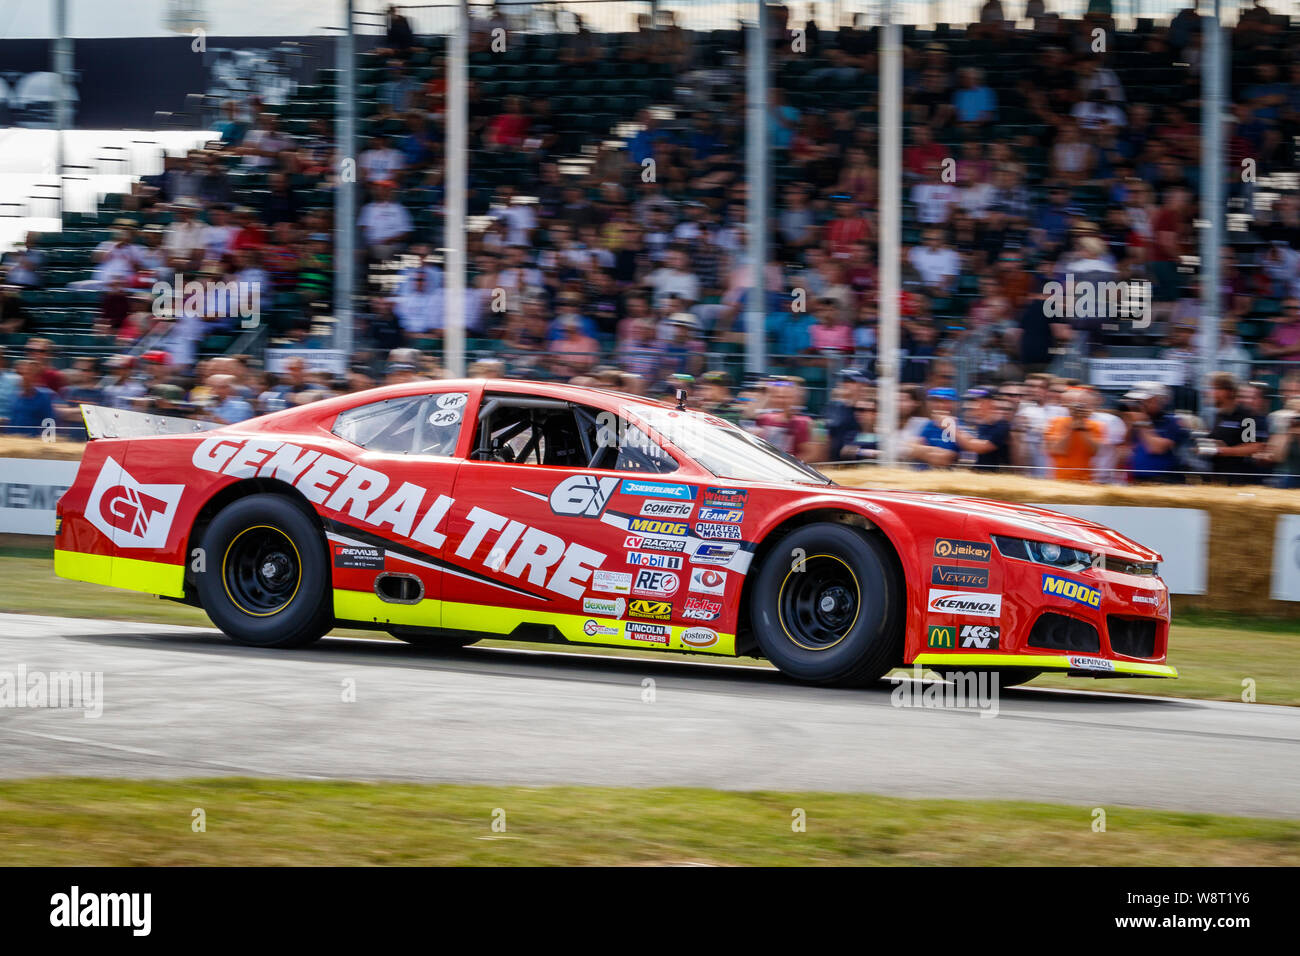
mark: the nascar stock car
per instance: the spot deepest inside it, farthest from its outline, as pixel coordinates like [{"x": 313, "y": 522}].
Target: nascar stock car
[{"x": 445, "y": 512}]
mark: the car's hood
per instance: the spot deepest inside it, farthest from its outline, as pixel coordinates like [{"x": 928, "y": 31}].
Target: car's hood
[{"x": 1000, "y": 517}]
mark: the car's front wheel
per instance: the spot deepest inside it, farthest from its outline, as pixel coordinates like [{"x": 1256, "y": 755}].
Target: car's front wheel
[
  {"x": 266, "y": 573},
  {"x": 827, "y": 605}
]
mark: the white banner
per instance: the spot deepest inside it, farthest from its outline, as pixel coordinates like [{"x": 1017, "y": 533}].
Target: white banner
[
  {"x": 1286, "y": 559},
  {"x": 1181, "y": 535},
  {"x": 1125, "y": 373},
  {"x": 29, "y": 489},
  {"x": 316, "y": 360}
]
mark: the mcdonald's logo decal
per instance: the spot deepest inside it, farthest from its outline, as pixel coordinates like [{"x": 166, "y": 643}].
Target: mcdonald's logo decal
[{"x": 940, "y": 635}]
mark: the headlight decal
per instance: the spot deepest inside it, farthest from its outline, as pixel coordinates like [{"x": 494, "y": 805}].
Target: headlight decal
[{"x": 1060, "y": 556}]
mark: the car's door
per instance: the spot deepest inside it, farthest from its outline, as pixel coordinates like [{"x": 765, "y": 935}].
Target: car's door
[
  {"x": 388, "y": 546},
  {"x": 579, "y": 520}
]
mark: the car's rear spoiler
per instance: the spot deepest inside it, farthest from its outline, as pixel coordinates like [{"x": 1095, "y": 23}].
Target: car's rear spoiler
[{"x": 103, "y": 422}]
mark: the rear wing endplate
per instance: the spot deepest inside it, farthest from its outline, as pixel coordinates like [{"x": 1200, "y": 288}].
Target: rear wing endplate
[{"x": 104, "y": 422}]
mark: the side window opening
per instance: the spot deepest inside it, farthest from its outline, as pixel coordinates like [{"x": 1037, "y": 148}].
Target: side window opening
[
  {"x": 564, "y": 435},
  {"x": 415, "y": 425}
]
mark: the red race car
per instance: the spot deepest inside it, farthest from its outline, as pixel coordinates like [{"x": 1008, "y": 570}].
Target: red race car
[{"x": 445, "y": 512}]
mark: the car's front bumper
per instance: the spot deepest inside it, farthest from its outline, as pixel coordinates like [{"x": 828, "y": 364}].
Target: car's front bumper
[
  {"x": 1076, "y": 665},
  {"x": 1094, "y": 623}
]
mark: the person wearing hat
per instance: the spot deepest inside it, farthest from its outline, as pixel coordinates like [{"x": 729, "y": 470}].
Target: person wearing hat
[
  {"x": 936, "y": 446},
  {"x": 989, "y": 437},
  {"x": 714, "y": 390},
  {"x": 1156, "y": 437},
  {"x": 841, "y": 418},
  {"x": 682, "y": 346},
  {"x": 781, "y": 423},
  {"x": 399, "y": 373},
  {"x": 121, "y": 387},
  {"x": 167, "y": 398}
]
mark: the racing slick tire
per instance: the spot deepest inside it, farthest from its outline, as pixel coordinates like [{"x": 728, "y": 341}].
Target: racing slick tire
[
  {"x": 266, "y": 581},
  {"x": 434, "y": 638},
  {"x": 827, "y": 606}
]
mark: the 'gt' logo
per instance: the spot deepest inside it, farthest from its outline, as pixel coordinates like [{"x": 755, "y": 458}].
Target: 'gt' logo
[
  {"x": 130, "y": 514},
  {"x": 130, "y": 510}
]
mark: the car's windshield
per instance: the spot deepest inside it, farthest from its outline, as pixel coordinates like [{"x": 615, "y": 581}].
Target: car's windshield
[{"x": 724, "y": 449}]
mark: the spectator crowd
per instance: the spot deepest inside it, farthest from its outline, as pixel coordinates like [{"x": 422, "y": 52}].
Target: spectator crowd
[{"x": 1079, "y": 167}]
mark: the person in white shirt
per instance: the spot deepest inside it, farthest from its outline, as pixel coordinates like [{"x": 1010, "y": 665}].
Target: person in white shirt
[
  {"x": 520, "y": 219},
  {"x": 263, "y": 143},
  {"x": 1096, "y": 112},
  {"x": 116, "y": 259},
  {"x": 517, "y": 275},
  {"x": 419, "y": 309},
  {"x": 674, "y": 278},
  {"x": 1095, "y": 78},
  {"x": 425, "y": 267},
  {"x": 184, "y": 235},
  {"x": 1030, "y": 423},
  {"x": 936, "y": 263},
  {"x": 380, "y": 161},
  {"x": 933, "y": 197},
  {"x": 1114, "y": 431},
  {"x": 976, "y": 199},
  {"x": 384, "y": 223},
  {"x": 218, "y": 235}
]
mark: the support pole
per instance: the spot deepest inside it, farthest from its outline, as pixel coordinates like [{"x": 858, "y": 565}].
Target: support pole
[
  {"x": 62, "y": 67},
  {"x": 1211, "y": 211},
  {"x": 453, "y": 341},
  {"x": 891, "y": 188},
  {"x": 756, "y": 174},
  {"x": 345, "y": 192}
]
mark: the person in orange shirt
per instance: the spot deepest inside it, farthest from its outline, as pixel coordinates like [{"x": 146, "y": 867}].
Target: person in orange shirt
[{"x": 1072, "y": 440}]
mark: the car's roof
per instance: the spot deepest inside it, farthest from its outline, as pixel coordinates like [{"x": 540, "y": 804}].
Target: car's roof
[
  {"x": 315, "y": 411},
  {"x": 558, "y": 390}
]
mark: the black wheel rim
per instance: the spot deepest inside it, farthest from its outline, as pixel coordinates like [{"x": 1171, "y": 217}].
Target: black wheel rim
[
  {"x": 820, "y": 601},
  {"x": 261, "y": 570}
]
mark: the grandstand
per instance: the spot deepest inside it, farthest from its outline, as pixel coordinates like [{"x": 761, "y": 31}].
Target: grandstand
[{"x": 583, "y": 100}]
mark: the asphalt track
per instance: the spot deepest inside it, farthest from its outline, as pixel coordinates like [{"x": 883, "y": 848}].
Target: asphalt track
[{"x": 184, "y": 702}]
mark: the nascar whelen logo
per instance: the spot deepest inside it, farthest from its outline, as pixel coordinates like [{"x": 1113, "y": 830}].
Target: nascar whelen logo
[{"x": 130, "y": 514}]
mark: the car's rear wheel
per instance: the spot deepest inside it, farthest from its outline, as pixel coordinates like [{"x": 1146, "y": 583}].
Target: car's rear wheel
[
  {"x": 266, "y": 576},
  {"x": 433, "y": 637},
  {"x": 827, "y": 606}
]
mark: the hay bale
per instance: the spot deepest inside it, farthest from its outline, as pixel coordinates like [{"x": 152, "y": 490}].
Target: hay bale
[{"x": 14, "y": 447}]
